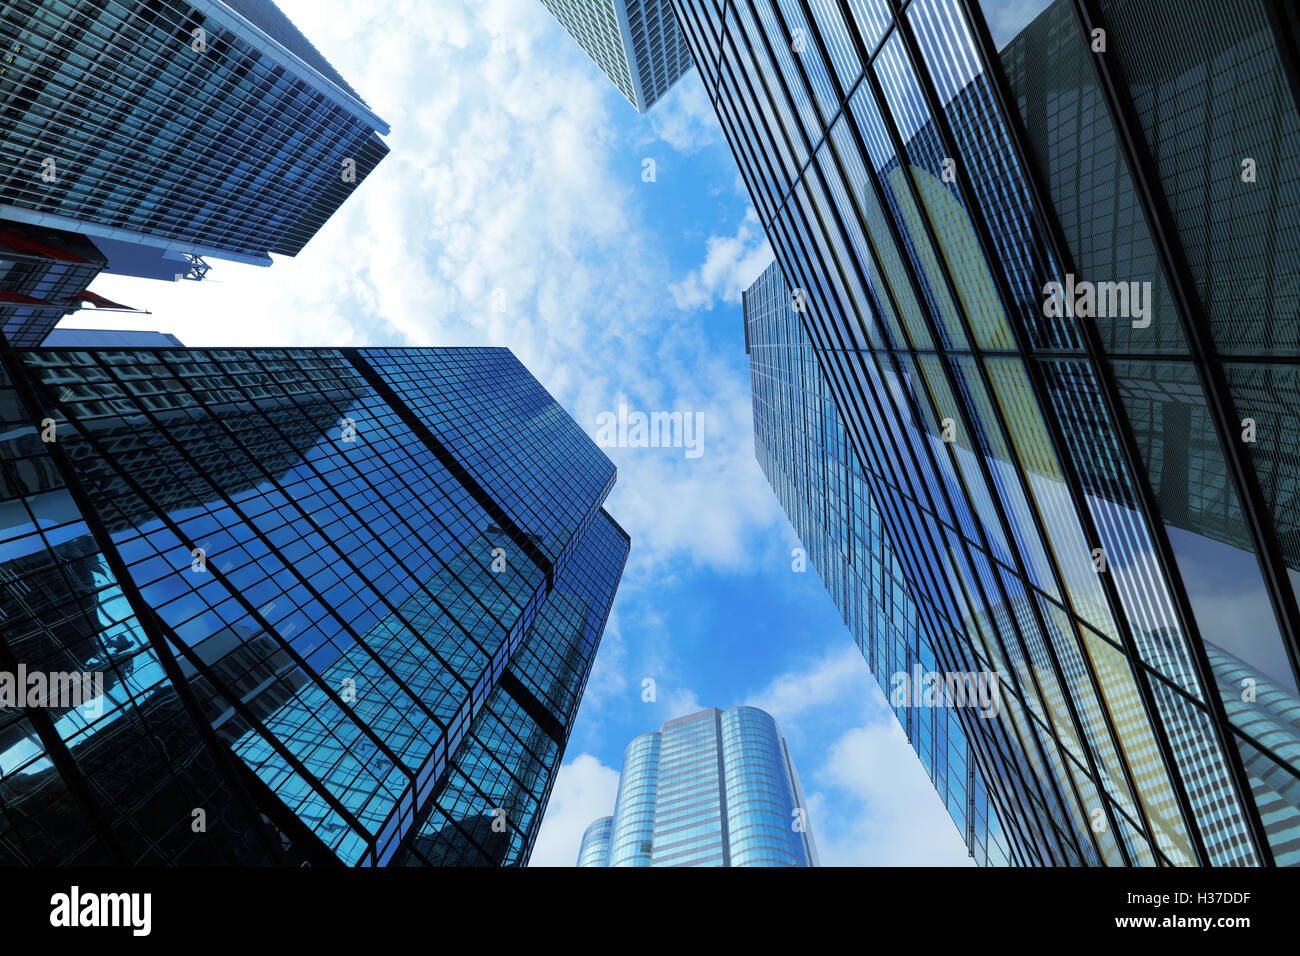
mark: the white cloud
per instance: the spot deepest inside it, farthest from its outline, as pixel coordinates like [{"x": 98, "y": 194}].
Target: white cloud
[
  {"x": 870, "y": 802},
  {"x": 509, "y": 213},
  {"x": 608, "y": 677},
  {"x": 684, "y": 117},
  {"x": 832, "y": 678},
  {"x": 710, "y": 508},
  {"x": 731, "y": 265},
  {"x": 620, "y": 673},
  {"x": 680, "y": 702},
  {"x": 584, "y": 791},
  {"x": 894, "y": 816}
]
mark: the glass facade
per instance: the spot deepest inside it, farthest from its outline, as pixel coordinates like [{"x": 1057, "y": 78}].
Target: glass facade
[
  {"x": 595, "y": 843},
  {"x": 714, "y": 788},
  {"x": 346, "y": 602},
  {"x": 1042, "y": 285},
  {"x": 206, "y": 127},
  {"x": 801, "y": 445},
  {"x": 634, "y": 42}
]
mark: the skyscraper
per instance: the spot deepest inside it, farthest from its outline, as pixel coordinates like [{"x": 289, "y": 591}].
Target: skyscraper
[
  {"x": 714, "y": 788},
  {"x": 594, "y": 850},
  {"x": 171, "y": 129},
  {"x": 634, "y": 42},
  {"x": 341, "y": 604},
  {"x": 1037, "y": 254},
  {"x": 803, "y": 450}
]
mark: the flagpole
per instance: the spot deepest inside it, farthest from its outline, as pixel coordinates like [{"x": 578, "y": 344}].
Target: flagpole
[{"x": 131, "y": 311}]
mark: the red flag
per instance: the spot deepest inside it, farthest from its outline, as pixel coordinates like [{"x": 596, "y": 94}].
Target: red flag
[
  {"x": 34, "y": 247},
  {"x": 99, "y": 302},
  {"x": 24, "y": 299}
]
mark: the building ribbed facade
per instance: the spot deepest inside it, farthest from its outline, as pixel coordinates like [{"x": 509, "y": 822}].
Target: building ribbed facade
[
  {"x": 342, "y": 603},
  {"x": 714, "y": 788},
  {"x": 1037, "y": 254},
  {"x": 594, "y": 850},
  {"x": 161, "y": 128},
  {"x": 141, "y": 136},
  {"x": 635, "y": 43},
  {"x": 802, "y": 447}
]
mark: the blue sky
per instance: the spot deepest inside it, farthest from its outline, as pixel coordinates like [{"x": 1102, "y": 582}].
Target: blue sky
[{"x": 512, "y": 211}]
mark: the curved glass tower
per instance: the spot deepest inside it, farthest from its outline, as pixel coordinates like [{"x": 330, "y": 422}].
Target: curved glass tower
[
  {"x": 714, "y": 788},
  {"x": 634, "y": 809},
  {"x": 595, "y": 843}
]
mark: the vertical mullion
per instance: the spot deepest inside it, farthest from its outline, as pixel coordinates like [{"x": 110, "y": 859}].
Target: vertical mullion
[
  {"x": 869, "y": 78},
  {"x": 1203, "y": 353},
  {"x": 898, "y": 147},
  {"x": 1047, "y": 413},
  {"x": 1049, "y": 225},
  {"x": 910, "y": 348}
]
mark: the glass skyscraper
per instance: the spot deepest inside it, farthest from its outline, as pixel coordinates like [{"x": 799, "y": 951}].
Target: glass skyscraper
[
  {"x": 714, "y": 788},
  {"x": 594, "y": 850},
  {"x": 171, "y": 128},
  {"x": 1041, "y": 261},
  {"x": 803, "y": 449},
  {"x": 340, "y": 604},
  {"x": 634, "y": 42}
]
